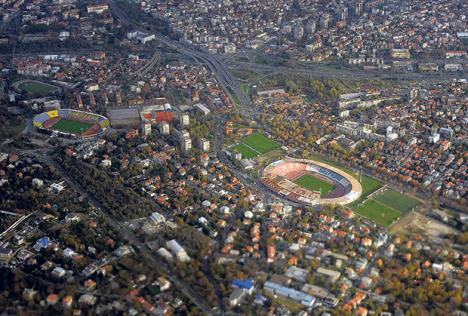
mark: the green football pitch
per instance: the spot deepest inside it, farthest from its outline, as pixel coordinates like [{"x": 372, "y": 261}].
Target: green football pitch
[
  {"x": 369, "y": 185},
  {"x": 245, "y": 151},
  {"x": 37, "y": 87},
  {"x": 71, "y": 126},
  {"x": 387, "y": 206},
  {"x": 315, "y": 184},
  {"x": 397, "y": 200},
  {"x": 378, "y": 212},
  {"x": 260, "y": 143}
]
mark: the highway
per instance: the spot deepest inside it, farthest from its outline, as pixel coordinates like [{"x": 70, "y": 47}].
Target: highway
[
  {"x": 148, "y": 66},
  {"x": 216, "y": 66},
  {"x": 228, "y": 82}
]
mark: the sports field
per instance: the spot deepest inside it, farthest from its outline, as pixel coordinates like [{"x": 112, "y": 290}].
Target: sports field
[
  {"x": 315, "y": 184},
  {"x": 378, "y": 212},
  {"x": 369, "y": 185},
  {"x": 397, "y": 200},
  {"x": 36, "y": 87},
  {"x": 71, "y": 126},
  {"x": 245, "y": 151},
  {"x": 260, "y": 143},
  {"x": 386, "y": 206}
]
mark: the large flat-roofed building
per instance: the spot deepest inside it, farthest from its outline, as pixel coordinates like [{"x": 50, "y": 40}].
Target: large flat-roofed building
[
  {"x": 184, "y": 120},
  {"x": 270, "y": 92},
  {"x": 298, "y": 296},
  {"x": 296, "y": 273},
  {"x": 201, "y": 108},
  {"x": 177, "y": 250},
  {"x": 401, "y": 53},
  {"x": 332, "y": 275},
  {"x": 124, "y": 117},
  {"x": 97, "y": 8}
]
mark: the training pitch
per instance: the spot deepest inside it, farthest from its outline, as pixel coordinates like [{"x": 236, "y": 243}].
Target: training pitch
[
  {"x": 397, "y": 200},
  {"x": 36, "y": 87},
  {"x": 387, "y": 206},
  {"x": 245, "y": 151},
  {"x": 260, "y": 143},
  {"x": 369, "y": 185},
  {"x": 379, "y": 213},
  {"x": 255, "y": 145}
]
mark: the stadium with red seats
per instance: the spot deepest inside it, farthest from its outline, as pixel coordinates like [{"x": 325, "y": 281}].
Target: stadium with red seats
[{"x": 281, "y": 177}]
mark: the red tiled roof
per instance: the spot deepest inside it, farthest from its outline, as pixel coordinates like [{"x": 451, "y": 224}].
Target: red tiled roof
[{"x": 164, "y": 116}]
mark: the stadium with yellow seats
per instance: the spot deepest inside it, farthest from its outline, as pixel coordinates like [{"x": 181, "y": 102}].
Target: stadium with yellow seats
[
  {"x": 71, "y": 123},
  {"x": 53, "y": 113}
]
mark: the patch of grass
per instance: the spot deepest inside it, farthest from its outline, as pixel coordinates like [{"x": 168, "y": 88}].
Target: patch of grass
[
  {"x": 244, "y": 74},
  {"x": 236, "y": 99},
  {"x": 234, "y": 96},
  {"x": 271, "y": 156},
  {"x": 71, "y": 126},
  {"x": 245, "y": 151},
  {"x": 397, "y": 200},
  {"x": 263, "y": 59},
  {"x": 245, "y": 88},
  {"x": 378, "y": 212},
  {"x": 370, "y": 185},
  {"x": 310, "y": 182},
  {"x": 36, "y": 87},
  {"x": 260, "y": 142}
]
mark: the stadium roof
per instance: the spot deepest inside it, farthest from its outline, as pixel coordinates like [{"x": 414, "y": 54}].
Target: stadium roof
[{"x": 123, "y": 113}]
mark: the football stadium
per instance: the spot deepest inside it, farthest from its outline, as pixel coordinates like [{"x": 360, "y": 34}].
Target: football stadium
[
  {"x": 311, "y": 182},
  {"x": 71, "y": 123}
]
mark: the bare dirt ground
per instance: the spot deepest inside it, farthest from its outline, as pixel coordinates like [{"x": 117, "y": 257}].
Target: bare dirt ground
[{"x": 415, "y": 222}]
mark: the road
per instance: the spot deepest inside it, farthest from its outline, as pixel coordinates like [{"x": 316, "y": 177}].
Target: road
[
  {"x": 127, "y": 234},
  {"x": 326, "y": 71},
  {"x": 216, "y": 66},
  {"x": 148, "y": 66},
  {"x": 231, "y": 85},
  {"x": 19, "y": 221}
]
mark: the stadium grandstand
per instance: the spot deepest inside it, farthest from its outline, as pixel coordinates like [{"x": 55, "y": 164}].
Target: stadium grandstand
[
  {"x": 72, "y": 123},
  {"x": 281, "y": 177}
]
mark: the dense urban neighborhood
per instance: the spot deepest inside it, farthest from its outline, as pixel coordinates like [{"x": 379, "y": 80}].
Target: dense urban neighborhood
[{"x": 233, "y": 157}]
